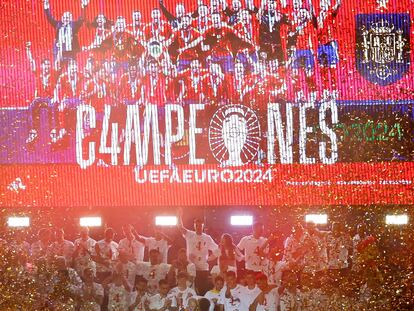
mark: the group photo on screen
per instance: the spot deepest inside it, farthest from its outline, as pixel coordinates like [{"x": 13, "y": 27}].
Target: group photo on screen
[
  {"x": 239, "y": 71},
  {"x": 206, "y": 155}
]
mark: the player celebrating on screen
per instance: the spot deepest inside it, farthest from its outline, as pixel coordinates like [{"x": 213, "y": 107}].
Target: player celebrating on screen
[
  {"x": 157, "y": 29},
  {"x": 175, "y": 21},
  {"x": 233, "y": 12},
  {"x": 278, "y": 80},
  {"x": 169, "y": 71},
  {"x": 245, "y": 27},
  {"x": 216, "y": 87},
  {"x": 242, "y": 84},
  {"x": 301, "y": 50},
  {"x": 264, "y": 85},
  {"x": 270, "y": 40},
  {"x": 202, "y": 20},
  {"x": 181, "y": 38},
  {"x": 66, "y": 41},
  {"x": 328, "y": 55},
  {"x": 98, "y": 90},
  {"x": 248, "y": 56},
  {"x": 137, "y": 29},
  {"x": 71, "y": 91},
  {"x": 102, "y": 26},
  {"x": 130, "y": 85},
  {"x": 153, "y": 85},
  {"x": 137, "y": 26},
  {"x": 219, "y": 41},
  {"x": 45, "y": 85},
  {"x": 191, "y": 86},
  {"x": 122, "y": 43}
]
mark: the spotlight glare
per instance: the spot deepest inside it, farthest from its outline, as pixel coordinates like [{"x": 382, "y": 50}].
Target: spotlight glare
[
  {"x": 90, "y": 221},
  {"x": 18, "y": 222},
  {"x": 239, "y": 220},
  {"x": 166, "y": 221},
  {"x": 396, "y": 219},
  {"x": 319, "y": 219}
]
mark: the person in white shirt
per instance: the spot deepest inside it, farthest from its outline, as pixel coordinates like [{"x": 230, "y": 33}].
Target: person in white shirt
[
  {"x": 275, "y": 264},
  {"x": 160, "y": 241},
  {"x": 268, "y": 297},
  {"x": 61, "y": 247},
  {"x": 312, "y": 297},
  {"x": 213, "y": 295},
  {"x": 84, "y": 250},
  {"x": 161, "y": 301},
  {"x": 294, "y": 248},
  {"x": 233, "y": 296},
  {"x": 153, "y": 271},
  {"x": 290, "y": 296},
  {"x": 201, "y": 248},
  {"x": 338, "y": 245},
  {"x": 131, "y": 246},
  {"x": 118, "y": 291},
  {"x": 39, "y": 248},
  {"x": 251, "y": 288},
  {"x": 182, "y": 292},
  {"x": 251, "y": 245},
  {"x": 106, "y": 252},
  {"x": 315, "y": 258},
  {"x": 127, "y": 268},
  {"x": 140, "y": 295},
  {"x": 92, "y": 293},
  {"x": 66, "y": 285},
  {"x": 181, "y": 264},
  {"x": 229, "y": 253}
]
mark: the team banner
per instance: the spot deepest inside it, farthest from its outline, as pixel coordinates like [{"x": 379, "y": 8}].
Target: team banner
[{"x": 217, "y": 103}]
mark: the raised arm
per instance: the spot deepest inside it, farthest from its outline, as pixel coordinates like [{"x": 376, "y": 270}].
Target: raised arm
[
  {"x": 180, "y": 224},
  {"x": 223, "y": 5},
  {"x": 336, "y": 6},
  {"x": 193, "y": 44},
  {"x": 258, "y": 300},
  {"x": 165, "y": 237},
  {"x": 50, "y": 18},
  {"x": 168, "y": 15},
  {"x": 79, "y": 22},
  {"x": 30, "y": 56},
  {"x": 311, "y": 9},
  {"x": 251, "y": 7},
  {"x": 139, "y": 237}
]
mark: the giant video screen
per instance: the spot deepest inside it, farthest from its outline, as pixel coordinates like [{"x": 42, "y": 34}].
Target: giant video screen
[{"x": 214, "y": 102}]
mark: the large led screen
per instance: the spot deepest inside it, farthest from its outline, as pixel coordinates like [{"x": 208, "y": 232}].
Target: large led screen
[{"x": 144, "y": 103}]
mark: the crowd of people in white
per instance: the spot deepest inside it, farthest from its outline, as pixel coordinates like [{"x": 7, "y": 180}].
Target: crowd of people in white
[{"x": 310, "y": 270}]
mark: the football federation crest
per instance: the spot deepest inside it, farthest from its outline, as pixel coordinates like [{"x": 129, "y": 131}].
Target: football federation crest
[
  {"x": 234, "y": 135},
  {"x": 383, "y": 47}
]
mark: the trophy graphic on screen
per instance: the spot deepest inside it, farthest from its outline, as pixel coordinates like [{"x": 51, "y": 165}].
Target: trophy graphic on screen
[
  {"x": 234, "y": 135},
  {"x": 155, "y": 49}
]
